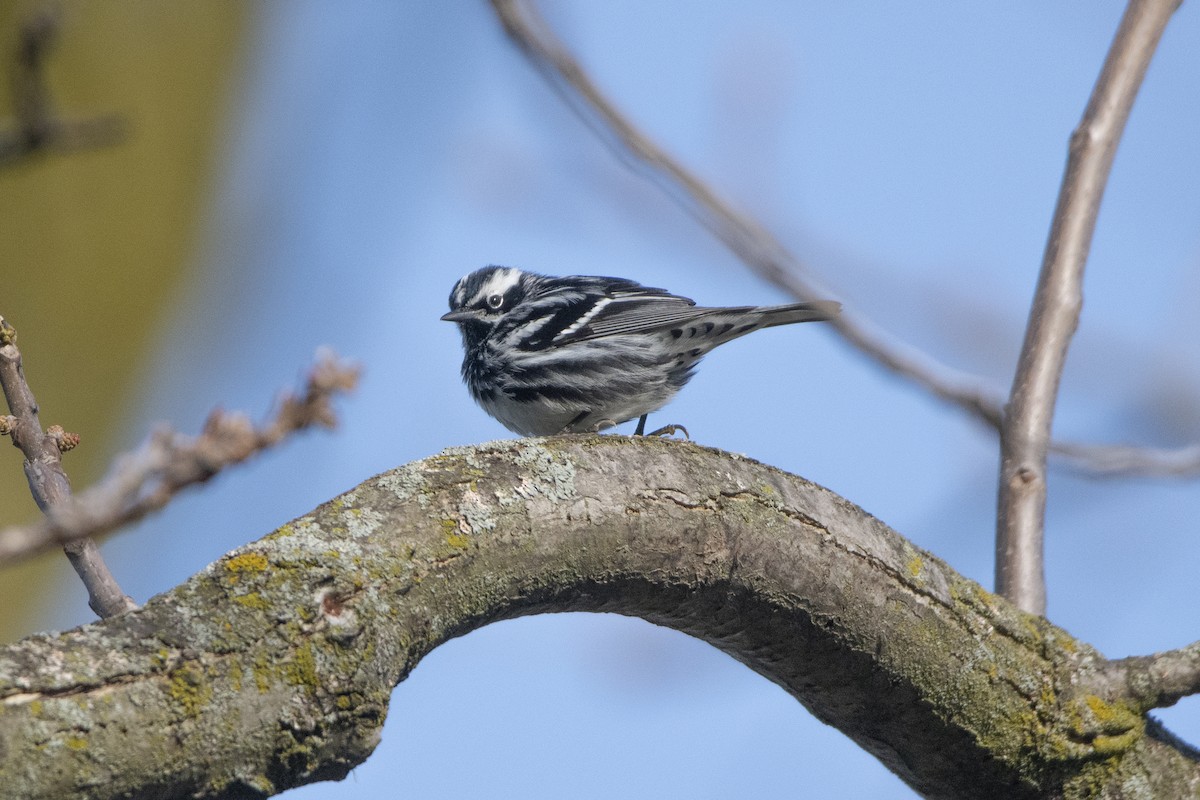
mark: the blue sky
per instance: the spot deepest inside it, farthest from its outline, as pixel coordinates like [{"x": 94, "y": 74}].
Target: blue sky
[{"x": 910, "y": 154}]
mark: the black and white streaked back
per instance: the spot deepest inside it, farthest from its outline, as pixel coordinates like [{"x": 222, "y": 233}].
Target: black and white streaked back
[{"x": 547, "y": 355}]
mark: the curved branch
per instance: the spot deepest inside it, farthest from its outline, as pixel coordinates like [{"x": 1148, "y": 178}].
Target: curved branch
[
  {"x": 773, "y": 262},
  {"x": 273, "y": 667}
]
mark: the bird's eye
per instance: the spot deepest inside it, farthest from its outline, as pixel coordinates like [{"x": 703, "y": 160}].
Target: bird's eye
[{"x": 495, "y": 301}]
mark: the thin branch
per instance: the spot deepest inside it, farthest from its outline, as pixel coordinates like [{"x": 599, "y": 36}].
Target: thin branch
[
  {"x": 1025, "y": 429},
  {"x": 47, "y": 479},
  {"x": 147, "y": 479},
  {"x": 1109, "y": 461},
  {"x": 767, "y": 256},
  {"x": 1155, "y": 681},
  {"x": 36, "y": 128}
]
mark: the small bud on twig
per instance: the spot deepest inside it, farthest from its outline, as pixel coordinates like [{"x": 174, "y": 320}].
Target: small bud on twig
[{"x": 65, "y": 441}]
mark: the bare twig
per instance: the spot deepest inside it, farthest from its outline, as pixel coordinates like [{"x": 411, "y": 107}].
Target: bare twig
[
  {"x": 47, "y": 480},
  {"x": 1025, "y": 428},
  {"x": 145, "y": 480},
  {"x": 36, "y": 128},
  {"x": 1109, "y": 461},
  {"x": 768, "y": 257},
  {"x": 1155, "y": 681}
]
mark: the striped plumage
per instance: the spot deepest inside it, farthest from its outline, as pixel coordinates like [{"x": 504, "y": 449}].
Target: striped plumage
[{"x": 551, "y": 355}]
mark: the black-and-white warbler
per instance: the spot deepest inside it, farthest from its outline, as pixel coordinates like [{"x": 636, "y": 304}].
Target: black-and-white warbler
[{"x": 551, "y": 355}]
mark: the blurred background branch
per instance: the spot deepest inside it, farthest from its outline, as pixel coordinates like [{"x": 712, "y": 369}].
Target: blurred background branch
[
  {"x": 145, "y": 480},
  {"x": 35, "y": 127}
]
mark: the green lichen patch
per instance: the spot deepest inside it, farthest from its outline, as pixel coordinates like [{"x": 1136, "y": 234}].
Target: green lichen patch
[
  {"x": 406, "y": 482},
  {"x": 475, "y": 513},
  {"x": 544, "y": 473},
  {"x": 548, "y": 475}
]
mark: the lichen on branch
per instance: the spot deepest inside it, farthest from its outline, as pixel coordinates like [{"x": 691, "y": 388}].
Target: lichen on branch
[{"x": 273, "y": 666}]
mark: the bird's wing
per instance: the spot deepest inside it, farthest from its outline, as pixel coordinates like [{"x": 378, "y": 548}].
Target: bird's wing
[{"x": 631, "y": 313}]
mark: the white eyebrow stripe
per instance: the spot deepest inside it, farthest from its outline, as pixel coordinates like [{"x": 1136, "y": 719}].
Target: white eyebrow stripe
[
  {"x": 585, "y": 319},
  {"x": 499, "y": 283}
]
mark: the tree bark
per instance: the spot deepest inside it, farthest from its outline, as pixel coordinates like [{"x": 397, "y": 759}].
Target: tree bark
[{"x": 273, "y": 667}]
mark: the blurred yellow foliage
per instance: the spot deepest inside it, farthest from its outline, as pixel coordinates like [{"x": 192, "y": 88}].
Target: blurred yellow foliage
[{"x": 94, "y": 243}]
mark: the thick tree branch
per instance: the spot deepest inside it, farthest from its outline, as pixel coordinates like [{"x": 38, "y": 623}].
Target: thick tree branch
[
  {"x": 47, "y": 480},
  {"x": 273, "y": 667},
  {"x": 772, "y": 261},
  {"x": 1029, "y": 415},
  {"x": 145, "y": 480}
]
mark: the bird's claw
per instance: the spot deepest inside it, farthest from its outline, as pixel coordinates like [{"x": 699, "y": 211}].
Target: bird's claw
[{"x": 670, "y": 430}]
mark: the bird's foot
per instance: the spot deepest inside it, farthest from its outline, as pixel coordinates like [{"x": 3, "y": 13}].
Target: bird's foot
[
  {"x": 665, "y": 430},
  {"x": 670, "y": 430}
]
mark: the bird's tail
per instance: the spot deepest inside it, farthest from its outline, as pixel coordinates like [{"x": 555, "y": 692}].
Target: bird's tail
[{"x": 815, "y": 311}]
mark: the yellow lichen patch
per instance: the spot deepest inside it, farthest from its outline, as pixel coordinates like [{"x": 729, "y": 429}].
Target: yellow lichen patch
[
  {"x": 190, "y": 690},
  {"x": 1047, "y": 696},
  {"x": 1101, "y": 709},
  {"x": 1113, "y": 728},
  {"x": 76, "y": 742},
  {"x": 160, "y": 658},
  {"x": 252, "y": 600},
  {"x": 262, "y": 672},
  {"x": 245, "y": 563},
  {"x": 454, "y": 537},
  {"x": 301, "y": 670},
  {"x": 281, "y": 531},
  {"x": 235, "y": 675},
  {"x": 914, "y": 566}
]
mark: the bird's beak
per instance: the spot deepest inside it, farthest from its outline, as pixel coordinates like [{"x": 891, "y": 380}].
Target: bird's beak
[{"x": 460, "y": 316}]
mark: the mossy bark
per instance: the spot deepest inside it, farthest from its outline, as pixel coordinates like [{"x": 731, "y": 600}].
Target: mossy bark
[{"x": 273, "y": 667}]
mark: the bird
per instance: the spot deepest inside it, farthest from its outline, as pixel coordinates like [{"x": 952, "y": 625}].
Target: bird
[{"x": 547, "y": 355}]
